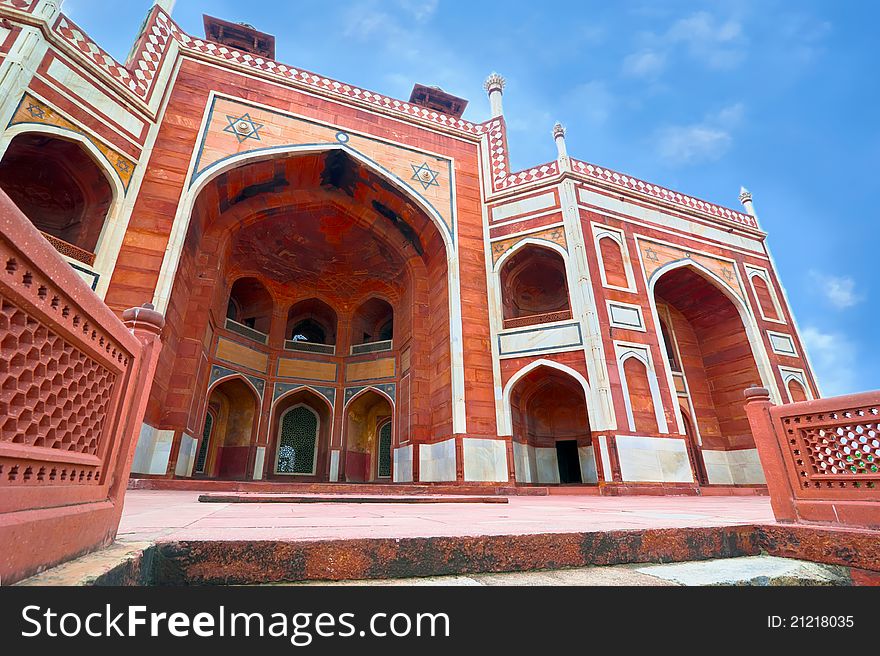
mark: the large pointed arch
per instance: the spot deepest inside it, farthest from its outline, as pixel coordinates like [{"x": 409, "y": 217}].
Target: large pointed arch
[
  {"x": 750, "y": 327},
  {"x": 187, "y": 203},
  {"x": 506, "y": 429}
]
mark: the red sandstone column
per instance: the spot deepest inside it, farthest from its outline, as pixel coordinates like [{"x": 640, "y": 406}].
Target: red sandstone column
[
  {"x": 146, "y": 325},
  {"x": 770, "y": 452}
]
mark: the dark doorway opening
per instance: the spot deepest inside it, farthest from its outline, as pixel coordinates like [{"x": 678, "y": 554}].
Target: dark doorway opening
[{"x": 569, "y": 463}]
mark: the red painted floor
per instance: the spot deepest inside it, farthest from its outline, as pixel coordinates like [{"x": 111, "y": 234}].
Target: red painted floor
[{"x": 163, "y": 515}]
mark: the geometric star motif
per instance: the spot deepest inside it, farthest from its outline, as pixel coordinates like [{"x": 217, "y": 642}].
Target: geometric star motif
[
  {"x": 728, "y": 274},
  {"x": 122, "y": 165},
  {"x": 243, "y": 127},
  {"x": 651, "y": 255},
  {"x": 425, "y": 175},
  {"x": 35, "y": 111}
]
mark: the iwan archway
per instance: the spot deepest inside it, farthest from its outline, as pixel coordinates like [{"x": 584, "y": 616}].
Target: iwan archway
[
  {"x": 712, "y": 352},
  {"x": 309, "y": 271}
]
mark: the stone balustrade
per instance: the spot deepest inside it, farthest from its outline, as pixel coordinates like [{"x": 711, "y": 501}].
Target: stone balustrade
[
  {"x": 74, "y": 383},
  {"x": 821, "y": 458}
]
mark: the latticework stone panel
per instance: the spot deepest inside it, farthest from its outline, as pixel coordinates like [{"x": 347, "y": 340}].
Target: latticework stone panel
[
  {"x": 51, "y": 394},
  {"x": 837, "y": 450}
]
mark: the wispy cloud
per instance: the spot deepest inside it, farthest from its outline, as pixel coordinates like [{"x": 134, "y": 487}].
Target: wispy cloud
[
  {"x": 645, "y": 63},
  {"x": 839, "y": 291},
  {"x": 705, "y": 141},
  {"x": 717, "y": 43},
  {"x": 834, "y": 357}
]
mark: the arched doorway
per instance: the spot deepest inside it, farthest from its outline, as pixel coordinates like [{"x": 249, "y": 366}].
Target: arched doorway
[
  {"x": 551, "y": 429},
  {"x": 230, "y": 431},
  {"x": 368, "y": 438},
  {"x": 710, "y": 360},
  {"x": 300, "y": 437},
  {"x": 59, "y": 187}
]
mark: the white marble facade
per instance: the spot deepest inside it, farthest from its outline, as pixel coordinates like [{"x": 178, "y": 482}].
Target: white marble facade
[
  {"x": 740, "y": 467},
  {"x": 153, "y": 451},
  {"x": 484, "y": 460},
  {"x": 437, "y": 461},
  {"x": 186, "y": 457},
  {"x": 653, "y": 460},
  {"x": 403, "y": 460}
]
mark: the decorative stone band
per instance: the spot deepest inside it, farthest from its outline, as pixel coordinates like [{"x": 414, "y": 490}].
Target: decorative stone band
[
  {"x": 537, "y": 319},
  {"x": 634, "y": 184},
  {"x": 75, "y": 252},
  {"x": 140, "y": 75}
]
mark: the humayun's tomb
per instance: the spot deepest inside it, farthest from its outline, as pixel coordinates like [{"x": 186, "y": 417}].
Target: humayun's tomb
[{"x": 357, "y": 288}]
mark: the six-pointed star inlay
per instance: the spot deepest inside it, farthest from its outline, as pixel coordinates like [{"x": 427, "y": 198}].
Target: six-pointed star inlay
[
  {"x": 243, "y": 127},
  {"x": 425, "y": 175}
]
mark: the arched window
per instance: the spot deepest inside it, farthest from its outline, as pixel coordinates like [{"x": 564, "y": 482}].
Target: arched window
[
  {"x": 534, "y": 287},
  {"x": 311, "y": 326},
  {"x": 249, "y": 310},
  {"x": 796, "y": 391},
  {"x": 383, "y": 465},
  {"x": 298, "y": 441},
  {"x": 640, "y": 396},
  {"x": 765, "y": 298},
  {"x": 58, "y": 186},
  {"x": 612, "y": 262},
  {"x": 372, "y": 327}
]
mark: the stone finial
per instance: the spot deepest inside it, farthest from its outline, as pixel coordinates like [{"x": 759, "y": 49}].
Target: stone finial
[
  {"x": 494, "y": 86},
  {"x": 494, "y": 83},
  {"x": 558, "y": 130},
  {"x": 561, "y": 150},
  {"x": 745, "y": 196}
]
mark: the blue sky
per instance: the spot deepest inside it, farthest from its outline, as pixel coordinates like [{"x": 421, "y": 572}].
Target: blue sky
[{"x": 701, "y": 97}]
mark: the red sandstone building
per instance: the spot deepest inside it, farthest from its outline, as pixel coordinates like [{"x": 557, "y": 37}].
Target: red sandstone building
[{"x": 359, "y": 289}]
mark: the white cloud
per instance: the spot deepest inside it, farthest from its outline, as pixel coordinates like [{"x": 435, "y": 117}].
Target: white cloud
[
  {"x": 840, "y": 291},
  {"x": 421, "y": 10},
  {"x": 706, "y": 141},
  {"x": 646, "y": 63},
  {"x": 717, "y": 43},
  {"x": 834, "y": 357}
]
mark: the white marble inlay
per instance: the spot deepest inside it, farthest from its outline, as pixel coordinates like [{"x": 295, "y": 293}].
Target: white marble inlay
[
  {"x": 782, "y": 344},
  {"x": 334, "y": 466},
  {"x": 74, "y": 83},
  {"x": 186, "y": 456},
  {"x": 624, "y": 315},
  {"x": 437, "y": 461},
  {"x": 740, "y": 467},
  {"x": 403, "y": 460},
  {"x": 653, "y": 459},
  {"x": 527, "y": 205},
  {"x": 587, "y": 457},
  {"x": 259, "y": 460},
  {"x": 547, "y": 464},
  {"x": 152, "y": 451},
  {"x": 484, "y": 460},
  {"x": 539, "y": 339}
]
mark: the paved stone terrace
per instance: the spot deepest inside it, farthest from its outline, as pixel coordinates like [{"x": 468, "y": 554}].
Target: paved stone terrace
[{"x": 178, "y": 515}]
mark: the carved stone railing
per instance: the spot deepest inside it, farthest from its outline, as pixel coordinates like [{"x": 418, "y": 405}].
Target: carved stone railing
[
  {"x": 821, "y": 458},
  {"x": 74, "y": 382},
  {"x": 246, "y": 331},
  {"x": 71, "y": 251},
  {"x": 537, "y": 319}
]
